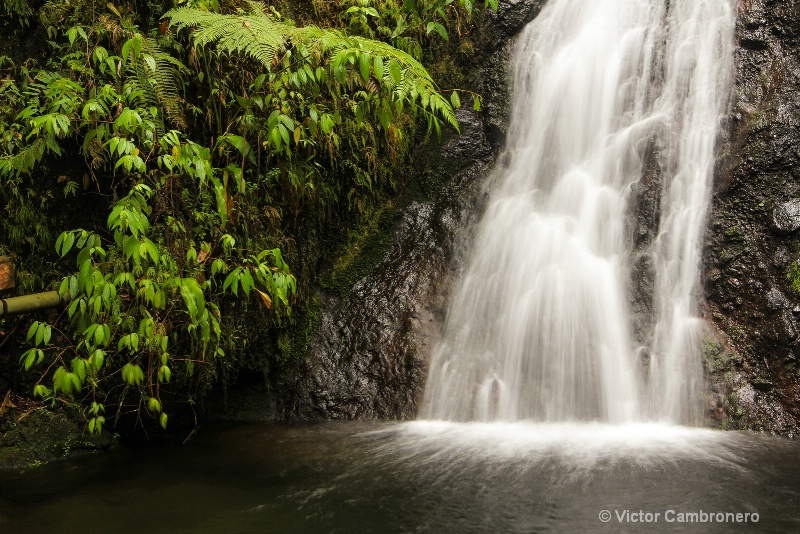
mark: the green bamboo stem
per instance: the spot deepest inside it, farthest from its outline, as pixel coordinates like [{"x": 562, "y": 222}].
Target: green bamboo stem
[{"x": 29, "y": 303}]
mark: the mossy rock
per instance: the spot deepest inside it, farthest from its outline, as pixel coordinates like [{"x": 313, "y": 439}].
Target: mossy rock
[{"x": 42, "y": 436}]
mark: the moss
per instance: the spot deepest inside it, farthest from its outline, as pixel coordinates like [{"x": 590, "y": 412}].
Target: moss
[
  {"x": 734, "y": 415},
  {"x": 370, "y": 236},
  {"x": 758, "y": 122},
  {"x": 730, "y": 253},
  {"x": 41, "y": 436},
  {"x": 293, "y": 343},
  {"x": 734, "y": 233},
  {"x": 366, "y": 245},
  {"x": 794, "y": 277},
  {"x": 714, "y": 356}
]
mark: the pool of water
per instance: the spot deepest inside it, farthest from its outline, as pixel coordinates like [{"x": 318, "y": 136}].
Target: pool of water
[{"x": 419, "y": 477}]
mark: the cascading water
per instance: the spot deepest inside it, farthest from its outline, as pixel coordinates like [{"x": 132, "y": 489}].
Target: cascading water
[
  {"x": 539, "y": 325},
  {"x": 694, "y": 96}
]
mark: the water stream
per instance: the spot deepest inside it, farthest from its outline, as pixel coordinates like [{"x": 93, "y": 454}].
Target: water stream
[{"x": 539, "y": 328}]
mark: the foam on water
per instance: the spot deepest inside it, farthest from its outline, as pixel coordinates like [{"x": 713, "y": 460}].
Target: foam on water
[{"x": 586, "y": 443}]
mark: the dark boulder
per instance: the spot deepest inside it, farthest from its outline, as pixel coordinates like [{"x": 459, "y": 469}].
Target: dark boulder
[{"x": 786, "y": 217}]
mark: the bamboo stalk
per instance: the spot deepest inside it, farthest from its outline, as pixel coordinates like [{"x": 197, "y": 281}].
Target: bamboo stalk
[{"x": 29, "y": 303}]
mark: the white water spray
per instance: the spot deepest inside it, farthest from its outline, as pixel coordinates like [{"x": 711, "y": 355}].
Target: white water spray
[{"x": 539, "y": 326}]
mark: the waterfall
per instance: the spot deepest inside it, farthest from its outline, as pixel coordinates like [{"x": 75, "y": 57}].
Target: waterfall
[{"x": 539, "y": 325}]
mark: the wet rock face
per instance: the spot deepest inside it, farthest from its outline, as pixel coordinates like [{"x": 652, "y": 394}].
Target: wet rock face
[
  {"x": 511, "y": 16},
  {"x": 642, "y": 227},
  {"x": 753, "y": 238},
  {"x": 368, "y": 358}
]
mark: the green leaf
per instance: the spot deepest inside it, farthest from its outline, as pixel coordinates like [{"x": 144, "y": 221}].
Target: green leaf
[
  {"x": 64, "y": 243},
  {"x": 96, "y": 408},
  {"x": 99, "y": 335},
  {"x": 96, "y": 359},
  {"x": 65, "y": 381},
  {"x": 151, "y": 250},
  {"x": 153, "y": 405},
  {"x": 259, "y": 81},
  {"x": 73, "y": 306},
  {"x": 218, "y": 265},
  {"x": 163, "y": 420},
  {"x": 132, "y": 374},
  {"x": 222, "y": 207},
  {"x": 32, "y": 330},
  {"x": 63, "y": 288},
  {"x": 151, "y": 63},
  {"x": 41, "y": 391},
  {"x": 193, "y": 297},
  {"x": 164, "y": 374},
  {"x": 395, "y": 71},
  {"x": 247, "y": 282},
  {"x": 284, "y": 134},
  {"x": 377, "y": 66},
  {"x": 129, "y": 341},
  {"x": 39, "y": 334},
  {"x": 287, "y": 121},
  {"x": 31, "y": 357},
  {"x": 126, "y": 47},
  {"x": 130, "y": 246},
  {"x": 275, "y": 137},
  {"x": 363, "y": 65},
  {"x": 84, "y": 276},
  {"x": 96, "y": 424},
  {"x": 455, "y": 100},
  {"x": 232, "y": 281},
  {"x": 79, "y": 368},
  {"x": 73, "y": 287},
  {"x": 76, "y": 382}
]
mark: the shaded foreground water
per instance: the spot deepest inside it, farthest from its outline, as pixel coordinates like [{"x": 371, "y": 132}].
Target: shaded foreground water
[{"x": 416, "y": 477}]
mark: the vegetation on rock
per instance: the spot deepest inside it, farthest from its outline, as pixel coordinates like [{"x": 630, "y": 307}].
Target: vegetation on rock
[{"x": 164, "y": 165}]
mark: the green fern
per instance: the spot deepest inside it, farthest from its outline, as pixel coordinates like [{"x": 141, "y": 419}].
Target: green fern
[
  {"x": 352, "y": 61},
  {"x": 155, "y": 73}
]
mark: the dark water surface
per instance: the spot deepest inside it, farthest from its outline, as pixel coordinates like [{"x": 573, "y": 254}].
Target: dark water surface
[{"x": 417, "y": 477}]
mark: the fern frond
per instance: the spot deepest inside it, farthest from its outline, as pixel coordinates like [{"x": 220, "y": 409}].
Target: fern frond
[
  {"x": 255, "y": 34},
  {"x": 164, "y": 81},
  {"x": 350, "y": 59}
]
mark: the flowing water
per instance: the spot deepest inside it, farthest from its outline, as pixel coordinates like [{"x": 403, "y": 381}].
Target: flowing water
[{"x": 539, "y": 326}]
